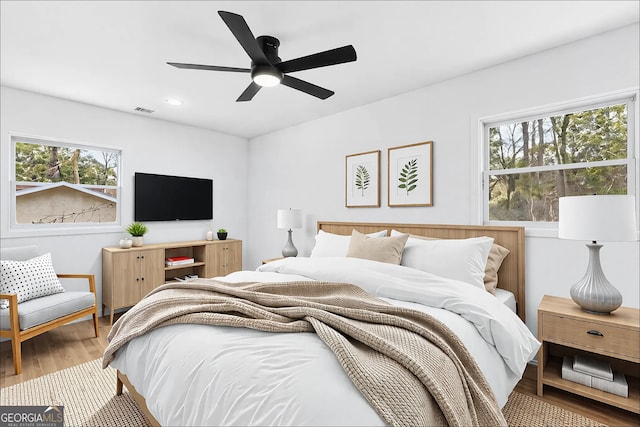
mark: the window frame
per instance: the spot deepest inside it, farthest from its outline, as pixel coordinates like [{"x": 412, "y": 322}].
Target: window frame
[
  {"x": 547, "y": 228},
  {"x": 51, "y": 229}
]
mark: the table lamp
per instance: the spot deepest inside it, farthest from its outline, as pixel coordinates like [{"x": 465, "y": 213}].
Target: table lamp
[
  {"x": 288, "y": 219},
  {"x": 596, "y": 218}
]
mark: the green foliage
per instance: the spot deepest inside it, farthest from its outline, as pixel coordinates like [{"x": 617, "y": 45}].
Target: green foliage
[
  {"x": 577, "y": 138},
  {"x": 48, "y": 163},
  {"x": 136, "y": 229},
  {"x": 362, "y": 178},
  {"x": 222, "y": 230},
  {"x": 409, "y": 176}
]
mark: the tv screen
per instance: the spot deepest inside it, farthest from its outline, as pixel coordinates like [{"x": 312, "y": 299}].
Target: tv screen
[{"x": 172, "y": 198}]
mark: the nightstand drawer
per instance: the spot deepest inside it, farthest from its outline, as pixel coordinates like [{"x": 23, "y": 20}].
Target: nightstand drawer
[{"x": 592, "y": 336}]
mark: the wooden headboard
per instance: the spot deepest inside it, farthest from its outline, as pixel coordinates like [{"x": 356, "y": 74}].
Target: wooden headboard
[{"x": 511, "y": 273}]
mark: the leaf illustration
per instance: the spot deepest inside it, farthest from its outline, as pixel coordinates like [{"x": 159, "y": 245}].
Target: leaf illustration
[
  {"x": 409, "y": 176},
  {"x": 362, "y": 178}
]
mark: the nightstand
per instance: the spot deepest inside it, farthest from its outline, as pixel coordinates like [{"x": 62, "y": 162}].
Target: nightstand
[
  {"x": 264, "y": 261},
  {"x": 564, "y": 329}
]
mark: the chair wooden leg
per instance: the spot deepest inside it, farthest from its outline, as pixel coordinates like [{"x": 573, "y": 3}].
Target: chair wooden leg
[
  {"x": 16, "y": 338},
  {"x": 16, "y": 346}
]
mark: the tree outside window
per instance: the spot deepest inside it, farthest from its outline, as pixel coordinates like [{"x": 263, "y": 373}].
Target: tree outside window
[
  {"x": 534, "y": 162},
  {"x": 61, "y": 183}
]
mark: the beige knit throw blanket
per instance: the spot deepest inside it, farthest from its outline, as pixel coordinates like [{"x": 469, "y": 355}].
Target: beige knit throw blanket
[{"x": 409, "y": 366}]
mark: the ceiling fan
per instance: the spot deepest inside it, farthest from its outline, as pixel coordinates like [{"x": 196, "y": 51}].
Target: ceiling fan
[{"x": 267, "y": 69}]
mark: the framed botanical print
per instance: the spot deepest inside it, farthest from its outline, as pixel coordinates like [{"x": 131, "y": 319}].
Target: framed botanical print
[
  {"x": 362, "y": 180},
  {"x": 411, "y": 175}
]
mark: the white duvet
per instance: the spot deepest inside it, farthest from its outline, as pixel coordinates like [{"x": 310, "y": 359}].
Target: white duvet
[{"x": 198, "y": 375}]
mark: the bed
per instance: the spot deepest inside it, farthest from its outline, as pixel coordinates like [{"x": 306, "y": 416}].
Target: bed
[{"x": 198, "y": 374}]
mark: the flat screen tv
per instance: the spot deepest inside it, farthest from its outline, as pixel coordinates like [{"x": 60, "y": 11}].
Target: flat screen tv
[{"x": 172, "y": 198}]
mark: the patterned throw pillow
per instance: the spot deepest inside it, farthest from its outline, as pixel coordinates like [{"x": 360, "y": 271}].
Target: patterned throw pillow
[{"x": 30, "y": 279}]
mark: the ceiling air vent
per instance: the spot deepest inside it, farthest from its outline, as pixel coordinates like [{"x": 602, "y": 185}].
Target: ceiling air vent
[{"x": 143, "y": 110}]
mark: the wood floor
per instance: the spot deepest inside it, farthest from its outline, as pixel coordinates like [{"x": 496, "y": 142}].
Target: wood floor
[{"x": 74, "y": 344}]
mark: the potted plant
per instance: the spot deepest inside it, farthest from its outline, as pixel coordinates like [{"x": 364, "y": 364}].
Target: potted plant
[
  {"x": 222, "y": 234},
  {"x": 137, "y": 230}
]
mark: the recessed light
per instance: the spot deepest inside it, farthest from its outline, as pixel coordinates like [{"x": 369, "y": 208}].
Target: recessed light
[{"x": 173, "y": 101}]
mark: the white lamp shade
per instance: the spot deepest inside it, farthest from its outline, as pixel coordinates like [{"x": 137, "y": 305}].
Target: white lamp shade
[
  {"x": 597, "y": 218},
  {"x": 289, "y": 218}
]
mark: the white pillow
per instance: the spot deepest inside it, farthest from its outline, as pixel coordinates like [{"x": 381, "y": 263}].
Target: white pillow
[
  {"x": 457, "y": 259},
  {"x": 30, "y": 279},
  {"x": 336, "y": 245}
]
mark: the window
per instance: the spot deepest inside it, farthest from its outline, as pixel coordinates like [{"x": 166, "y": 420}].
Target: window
[
  {"x": 63, "y": 185},
  {"x": 530, "y": 162}
]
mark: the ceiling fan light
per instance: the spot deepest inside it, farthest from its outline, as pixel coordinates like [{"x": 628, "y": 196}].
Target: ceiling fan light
[
  {"x": 266, "y": 75},
  {"x": 266, "y": 79}
]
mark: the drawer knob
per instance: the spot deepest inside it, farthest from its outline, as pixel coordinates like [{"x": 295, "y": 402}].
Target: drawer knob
[{"x": 594, "y": 332}]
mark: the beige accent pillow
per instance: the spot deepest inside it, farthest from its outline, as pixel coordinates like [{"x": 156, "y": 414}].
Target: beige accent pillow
[
  {"x": 383, "y": 249},
  {"x": 497, "y": 254}
]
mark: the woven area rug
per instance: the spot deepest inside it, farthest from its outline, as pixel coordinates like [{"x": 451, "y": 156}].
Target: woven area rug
[
  {"x": 526, "y": 411},
  {"x": 87, "y": 393}
]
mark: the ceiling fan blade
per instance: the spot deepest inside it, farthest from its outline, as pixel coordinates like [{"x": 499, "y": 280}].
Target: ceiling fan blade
[
  {"x": 306, "y": 87},
  {"x": 339, "y": 55},
  {"x": 208, "y": 67},
  {"x": 243, "y": 34},
  {"x": 249, "y": 92}
]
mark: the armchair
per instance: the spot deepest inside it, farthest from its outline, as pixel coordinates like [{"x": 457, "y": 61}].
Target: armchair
[{"x": 27, "y": 319}]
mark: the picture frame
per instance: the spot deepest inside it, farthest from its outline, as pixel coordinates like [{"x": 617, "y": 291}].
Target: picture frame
[
  {"x": 410, "y": 174},
  {"x": 362, "y": 180}
]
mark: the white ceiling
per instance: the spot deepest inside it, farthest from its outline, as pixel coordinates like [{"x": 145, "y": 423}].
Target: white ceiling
[{"x": 113, "y": 53}]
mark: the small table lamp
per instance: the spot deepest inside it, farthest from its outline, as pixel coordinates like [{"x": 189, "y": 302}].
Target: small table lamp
[
  {"x": 597, "y": 218},
  {"x": 288, "y": 219}
]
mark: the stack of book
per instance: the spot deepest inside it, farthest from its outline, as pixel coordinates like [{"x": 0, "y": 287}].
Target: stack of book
[
  {"x": 178, "y": 260},
  {"x": 594, "y": 373}
]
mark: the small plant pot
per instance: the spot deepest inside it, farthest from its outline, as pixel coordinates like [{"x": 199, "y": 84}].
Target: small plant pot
[
  {"x": 222, "y": 236},
  {"x": 137, "y": 241}
]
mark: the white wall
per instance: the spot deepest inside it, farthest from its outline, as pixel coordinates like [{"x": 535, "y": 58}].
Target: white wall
[
  {"x": 303, "y": 166},
  {"x": 148, "y": 145}
]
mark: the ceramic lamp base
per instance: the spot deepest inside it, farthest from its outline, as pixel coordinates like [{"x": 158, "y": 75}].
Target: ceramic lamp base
[
  {"x": 593, "y": 292},
  {"x": 289, "y": 249}
]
